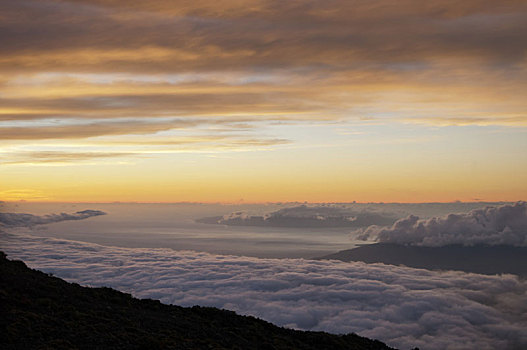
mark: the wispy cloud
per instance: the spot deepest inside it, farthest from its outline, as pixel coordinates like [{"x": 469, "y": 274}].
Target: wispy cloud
[{"x": 79, "y": 131}]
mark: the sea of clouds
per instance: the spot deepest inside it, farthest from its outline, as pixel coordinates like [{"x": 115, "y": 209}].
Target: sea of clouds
[
  {"x": 401, "y": 306},
  {"x": 493, "y": 225}
]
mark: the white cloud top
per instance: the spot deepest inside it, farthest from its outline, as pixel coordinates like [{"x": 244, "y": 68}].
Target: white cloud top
[{"x": 493, "y": 225}]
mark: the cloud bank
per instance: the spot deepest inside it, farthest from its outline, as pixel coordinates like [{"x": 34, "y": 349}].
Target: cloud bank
[
  {"x": 271, "y": 59},
  {"x": 78, "y": 77},
  {"x": 493, "y": 225},
  {"x": 306, "y": 216},
  {"x": 28, "y": 220},
  {"x": 402, "y": 306}
]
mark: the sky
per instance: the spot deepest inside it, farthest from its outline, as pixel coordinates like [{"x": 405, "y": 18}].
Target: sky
[{"x": 263, "y": 100}]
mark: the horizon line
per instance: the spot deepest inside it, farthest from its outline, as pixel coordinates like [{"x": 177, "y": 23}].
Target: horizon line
[{"x": 254, "y": 203}]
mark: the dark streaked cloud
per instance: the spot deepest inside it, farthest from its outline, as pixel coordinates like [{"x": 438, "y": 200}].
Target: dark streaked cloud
[
  {"x": 46, "y": 157},
  {"x": 148, "y": 105},
  {"x": 90, "y": 130},
  {"x": 493, "y": 225},
  {"x": 401, "y": 306},
  {"x": 181, "y": 35}
]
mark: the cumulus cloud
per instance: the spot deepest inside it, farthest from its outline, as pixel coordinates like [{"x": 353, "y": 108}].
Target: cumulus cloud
[
  {"x": 306, "y": 216},
  {"x": 138, "y": 148},
  {"x": 493, "y": 225},
  {"x": 28, "y": 220},
  {"x": 402, "y": 306}
]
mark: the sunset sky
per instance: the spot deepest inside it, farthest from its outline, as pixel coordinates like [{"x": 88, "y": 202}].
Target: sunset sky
[{"x": 263, "y": 100}]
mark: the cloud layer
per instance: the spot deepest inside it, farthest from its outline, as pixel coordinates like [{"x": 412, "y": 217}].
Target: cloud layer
[
  {"x": 402, "y": 306},
  {"x": 493, "y": 225},
  {"x": 28, "y": 220},
  {"x": 307, "y": 216},
  {"x": 333, "y": 92},
  {"x": 265, "y": 60},
  {"x": 178, "y": 35}
]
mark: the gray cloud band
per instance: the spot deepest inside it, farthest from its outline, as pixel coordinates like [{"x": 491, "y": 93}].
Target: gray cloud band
[{"x": 28, "y": 220}]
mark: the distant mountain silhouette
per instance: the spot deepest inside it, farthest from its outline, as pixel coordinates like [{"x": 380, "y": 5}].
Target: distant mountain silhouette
[
  {"x": 482, "y": 259},
  {"x": 44, "y": 312}
]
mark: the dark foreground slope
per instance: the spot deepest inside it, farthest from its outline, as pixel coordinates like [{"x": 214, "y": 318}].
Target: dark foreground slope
[
  {"x": 39, "y": 311},
  {"x": 483, "y": 259}
]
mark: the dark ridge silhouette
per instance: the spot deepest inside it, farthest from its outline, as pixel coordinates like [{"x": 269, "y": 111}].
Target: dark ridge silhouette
[
  {"x": 484, "y": 259},
  {"x": 40, "y": 311}
]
